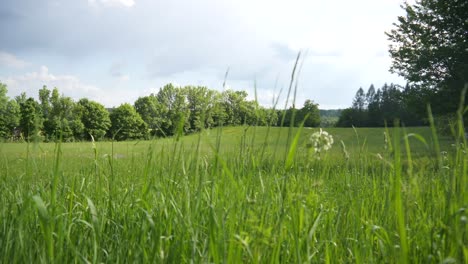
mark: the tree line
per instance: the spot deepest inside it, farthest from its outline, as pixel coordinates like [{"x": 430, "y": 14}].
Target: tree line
[
  {"x": 429, "y": 48},
  {"x": 380, "y": 107},
  {"x": 173, "y": 110}
]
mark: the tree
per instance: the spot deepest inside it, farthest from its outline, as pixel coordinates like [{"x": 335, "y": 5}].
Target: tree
[
  {"x": 359, "y": 102},
  {"x": 429, "y": 47},
  {"x": 94, "y": 117},
  {"x": 151, "y": 111},
  {"x": 67, "y": 118},
  {"x": 236, "y": 108},
  {"x": 21, "y": 99},
  {"x": 374, "y": 113},
  {"x": 174, "y": 109},
  {"x": 127, "y": 123},
  {"x": 9, "y": 113},
  {"x": 30, "y": 120},
  {"x": 348, "y": 117},
  {"x": 370, "y": 95},
  {"x": 200, "y": 104},
  {"x": 311, "y": 111},
  {"x": 391, "y": 103},
  {"x": 62, "y": 116},
  {"x": 44, "y": 101},
  {"x": 360, "y": 105}
]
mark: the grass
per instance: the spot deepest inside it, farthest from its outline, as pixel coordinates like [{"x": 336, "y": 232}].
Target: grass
[{"x": 364, "y": 201}]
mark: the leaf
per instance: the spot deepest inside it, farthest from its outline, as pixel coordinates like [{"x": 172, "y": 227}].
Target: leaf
[{"x": 41, "y": 208}]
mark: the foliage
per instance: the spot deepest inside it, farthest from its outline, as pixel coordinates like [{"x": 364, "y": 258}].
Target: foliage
[
  {"x": 329, "y": 117},
  {"x": 429, "y": 48},
  {"x": 9, "y": 114},
  {"x": 309, "y": 114},
  {"x": 127, "y": 123},
  {"x": 30, "y": 119},
  {"x": 62, "y": 116},
  {"x": 151, "y": 111},
  {"x": 95, "y": 118},
  {"x": 172, "y": 111},
  {"x": 383, "y": 106}
]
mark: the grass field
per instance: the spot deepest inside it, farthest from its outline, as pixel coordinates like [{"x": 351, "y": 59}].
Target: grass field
[{"x": 240, "y": 194}]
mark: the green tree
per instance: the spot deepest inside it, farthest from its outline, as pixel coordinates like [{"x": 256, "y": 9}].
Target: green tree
[
  {"x": 174, "y": 109},
  {"x": 202, "y": 105},
  {"x": 21, "y": 99},
  {"x": 95, "y": 118},
  {"x": 237, "y": 110},
  {"x": 151, "y": 111},
  {"x": 218, "y": 113},
  {"x": 9, "y": 113},
  {"x": 45, "y": 106},
  {"x": 391, "y": 103},
  {"x": 271, "y": 116},
  {"x": 62, "y": 117},
  {"x": 373, "y": 109},
  {"x": 429, "y": 47},
  {"x": 44, "y": 101},
  {"x": 359, "y": 104},
  {"x": 349, "y": 117},
  {"x": 30, "y": 119},
  {"x": 127, "y": 123},
  {"x": 311, "y": 111}
]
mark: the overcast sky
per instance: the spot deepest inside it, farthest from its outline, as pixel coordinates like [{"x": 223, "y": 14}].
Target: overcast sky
[{"x": 114, "y": 51}]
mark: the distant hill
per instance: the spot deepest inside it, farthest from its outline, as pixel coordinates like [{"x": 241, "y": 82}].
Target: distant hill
[{"x": 329, "y": 117}]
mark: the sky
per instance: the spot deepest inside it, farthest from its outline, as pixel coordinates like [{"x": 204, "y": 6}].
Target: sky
[{"x": 114, "y": 51}]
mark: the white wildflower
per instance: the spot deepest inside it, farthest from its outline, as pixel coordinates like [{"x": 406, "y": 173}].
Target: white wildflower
[{"x": 320, "y": 141}]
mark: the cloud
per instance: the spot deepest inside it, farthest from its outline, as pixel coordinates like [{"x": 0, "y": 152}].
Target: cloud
[
  {"x": 67, "y": 84},
  {"x": 124, "y": 78},
  {"x": 11, "y": 61},
  {"x": 194, "y": 42},
  {"x": 116, "y": 71}
]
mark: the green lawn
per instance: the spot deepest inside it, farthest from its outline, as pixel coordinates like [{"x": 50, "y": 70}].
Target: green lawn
[{"x": 227, "y": 196}]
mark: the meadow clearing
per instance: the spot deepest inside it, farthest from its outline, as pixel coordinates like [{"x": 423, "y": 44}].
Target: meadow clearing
[{"x": 235, "y": 195}]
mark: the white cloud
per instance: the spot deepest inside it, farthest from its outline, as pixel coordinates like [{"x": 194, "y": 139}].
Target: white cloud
[
  {"x": 116, "y": 71},
  {"x": 10, "y": 60},
  {"x": 194, "y": 42},
  {"x": 31, "y": 82},
  {"x": 68, "y": 85},
  {"x": 124, "y": 78}
]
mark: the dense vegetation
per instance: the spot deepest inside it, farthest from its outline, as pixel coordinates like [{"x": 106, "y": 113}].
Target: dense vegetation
[
  {"x": 377, "y": 108},
  {"x": 237, "y": 195},
  {"x": 329, "y": 117},
  {"x": 247, "y": 191},
  {"x": 429, "y": 48},
  {"x": 173, "y": 110}
]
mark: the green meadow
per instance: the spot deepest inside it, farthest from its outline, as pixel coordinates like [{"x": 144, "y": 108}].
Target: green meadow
[{"x": 238, "y": 195}]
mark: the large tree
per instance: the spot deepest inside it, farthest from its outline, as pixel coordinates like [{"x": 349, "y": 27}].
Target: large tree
[
  {"x": 175, "y": 111},
  {"x": 127, "y": 123},
  {"x": 9, "y": 113},
  {"x": 311, "y": 111},
  {"x": 31, "y": 119},
  {"x": 151, "y": 111},
  {"x": 429, "y": 47},
  {"x": 94, "y": 117},
  {"x": 200, "y": 101}
]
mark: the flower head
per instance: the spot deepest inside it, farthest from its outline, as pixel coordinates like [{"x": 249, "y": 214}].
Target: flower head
[{"x": 320, "y": 141}]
